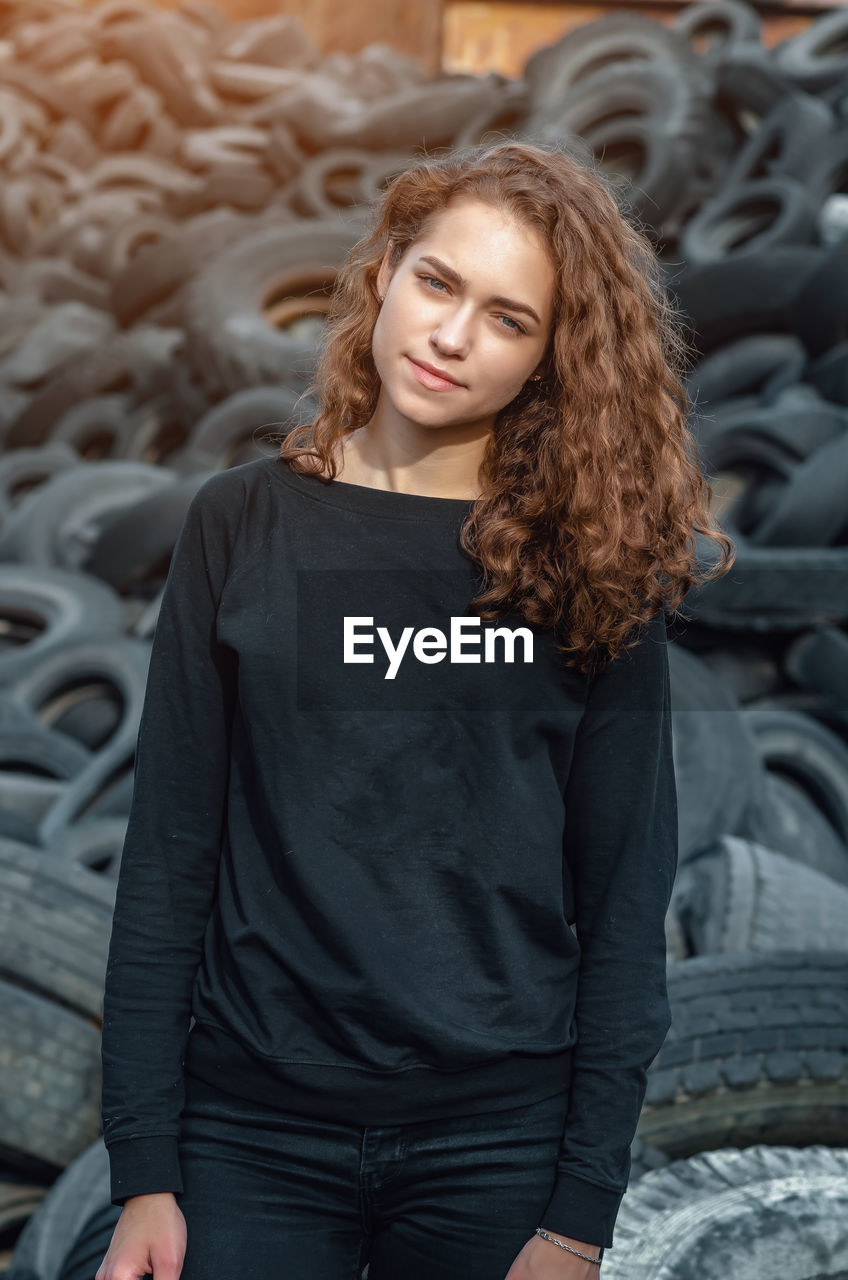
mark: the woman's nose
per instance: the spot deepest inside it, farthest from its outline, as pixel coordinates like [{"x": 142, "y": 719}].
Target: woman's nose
[{"x": 453, "y": 333}]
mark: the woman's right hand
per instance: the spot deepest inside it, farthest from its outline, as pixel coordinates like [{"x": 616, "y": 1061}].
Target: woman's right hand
[{"x": 149, "y": 1239}]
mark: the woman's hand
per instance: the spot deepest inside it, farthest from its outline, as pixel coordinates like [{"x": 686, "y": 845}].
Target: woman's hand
[
  {"x": 541, "y": 1260},
  {"x": 149, "y": 1239}
]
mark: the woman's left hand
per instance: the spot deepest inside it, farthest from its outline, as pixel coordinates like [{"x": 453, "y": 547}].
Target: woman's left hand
[{"x": 541, "y": 1260}]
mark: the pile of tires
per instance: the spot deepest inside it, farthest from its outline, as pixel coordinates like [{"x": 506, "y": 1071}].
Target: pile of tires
[{"x": 177, "y": 192}]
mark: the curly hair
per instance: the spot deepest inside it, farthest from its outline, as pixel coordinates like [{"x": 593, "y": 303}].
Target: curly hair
[{"x": 591, "y": 485}]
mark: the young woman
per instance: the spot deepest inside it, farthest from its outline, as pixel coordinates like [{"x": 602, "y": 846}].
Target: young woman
[{"x": 387, "y": 967}]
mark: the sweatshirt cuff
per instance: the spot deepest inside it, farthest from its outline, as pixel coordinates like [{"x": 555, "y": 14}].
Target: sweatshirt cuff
[
  {"x": 582, "y": 1210},
  {"x": 143, "y": 1166}
]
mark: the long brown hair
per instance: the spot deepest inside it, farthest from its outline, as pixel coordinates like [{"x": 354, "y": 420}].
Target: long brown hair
[{"x": 591, "y": 482}]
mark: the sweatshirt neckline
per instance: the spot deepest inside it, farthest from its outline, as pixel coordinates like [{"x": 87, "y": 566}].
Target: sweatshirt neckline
[{"x": 370, "y": 501}]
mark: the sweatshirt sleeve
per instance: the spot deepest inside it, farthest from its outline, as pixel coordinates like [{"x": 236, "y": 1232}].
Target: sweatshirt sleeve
[
  {"x": 168, "y": 872},
  {"x": 620, "y": 844}
]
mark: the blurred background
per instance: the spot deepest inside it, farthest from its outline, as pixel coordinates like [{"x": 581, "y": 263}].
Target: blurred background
[
  {"x": 178, "y": 187},
  {"x": 478, "y": 35}
]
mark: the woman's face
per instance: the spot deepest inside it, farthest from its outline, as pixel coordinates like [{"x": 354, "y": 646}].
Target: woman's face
[{"x": 474, "y": 297}]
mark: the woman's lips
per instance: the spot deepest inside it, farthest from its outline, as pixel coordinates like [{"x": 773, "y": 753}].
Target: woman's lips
[{"x": 431, "y": 380}]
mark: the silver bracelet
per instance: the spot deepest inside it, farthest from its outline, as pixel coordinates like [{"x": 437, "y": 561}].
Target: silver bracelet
[{"x": 540, "y": 1231}]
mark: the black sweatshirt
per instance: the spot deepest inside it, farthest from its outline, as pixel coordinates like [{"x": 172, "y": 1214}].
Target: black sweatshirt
[{"x": 362, "y": 825}]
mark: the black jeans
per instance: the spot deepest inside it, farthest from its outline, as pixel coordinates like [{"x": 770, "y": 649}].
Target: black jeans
[{"x": 270, "y": 1195}]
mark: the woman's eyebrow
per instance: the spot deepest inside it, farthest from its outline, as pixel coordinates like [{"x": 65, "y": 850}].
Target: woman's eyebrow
[{"x": 498, "y": 299}]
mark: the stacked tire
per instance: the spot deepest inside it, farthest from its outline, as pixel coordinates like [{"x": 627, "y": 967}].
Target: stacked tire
[{"x": 177, "y": 194}]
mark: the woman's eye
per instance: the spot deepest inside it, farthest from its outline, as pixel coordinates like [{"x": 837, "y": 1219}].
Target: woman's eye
[{"x": 512, "y": 324}]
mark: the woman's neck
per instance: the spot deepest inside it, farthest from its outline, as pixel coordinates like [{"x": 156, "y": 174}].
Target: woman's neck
[{"x": 354, "y": 469}]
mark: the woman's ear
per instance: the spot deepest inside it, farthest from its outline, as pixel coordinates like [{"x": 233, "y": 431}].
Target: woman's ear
[
  {"x": 545, "y": 367},
  {"x": 384, "y": 275}
]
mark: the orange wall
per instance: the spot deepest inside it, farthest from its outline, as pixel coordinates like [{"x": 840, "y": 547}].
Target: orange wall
[
  {"x": 457, "y": 35},
  {"x": 500, "y": 36}
]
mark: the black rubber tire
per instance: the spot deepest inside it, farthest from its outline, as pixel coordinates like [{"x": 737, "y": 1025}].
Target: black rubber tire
[
  {"x": 734, "y": 449},
  {"x": 91, "y": 1243},
  {"x": 95, "y": 843},
  {"x": 753, "y": 293},
  {"x": 329, "y": 181},
  {"x": 789, "y": 821},
  {"x": 139, "y": 356},
  {"x": 828, "y": 373},
  {"x": 169, "y": 62},
  {"x": 35, "y": 765},
  {"x": 251, "y": 191},
  {"x": 819, "y": 661},
  {"x": 157, "y": 272},
  {"x": 65, "y": 332},
  {"x": 506, "y": 118},
  {"x": 102, "y": 425},
  {"x": 60, "y": 100},
  {"x": 743, "y": 366},
  {"x": 753, "y": 432},
  {"x": 229, "y": 342},
  {"x": 104, "y": 788},
  {"x": 757, "y": 1051},
  {"x": 773, "y": 589},
  {"x": 650, "y": 104},
  {"x": 808, "y": 752},
  {"x": 133, "y": 544},
  {"x": 49, "y": 611},
  {"x": 56, "y": 1230},
  {"x": 818, "y": 313},
  {"x": 18, "y": 1196},
  {"x": 617, "y": 40},
  {"x": 247, "y": 424},
  {"x": 18, "y": 1202},
  {"x": 811, "y": 510},
  {"x": 279, "y": 40},
  {"x": 767, "y": 1210},
  {"x": 717, "y": 766},
  {"x": 51, "y": 526},
  {"x": 750, "y": 218},
  {"x": 796, "y": 127},
  {"x": 741, "y": 896},
  {"x": 126, "y": 238},
  {"x": 815, "y": 58},
  {"x": 410, "y": 117},
  {"x": 88, "y": 693},
  {"x": 130, "y": 124},
  {"x": 734, "y": 21},
  {"x": 60, "y": 280},
  {"x": 50, "y": 1085},
  {"x": 55, "y": 921},
  {"x": 748, "y": 84},
  {"x": 235, "y": 147},
  {"x": 643, "y": 1158}
]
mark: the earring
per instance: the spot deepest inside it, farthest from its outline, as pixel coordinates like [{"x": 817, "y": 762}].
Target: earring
[
  {"x": 381, "y": 297},
  {"x": 537, "y": 377}
]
